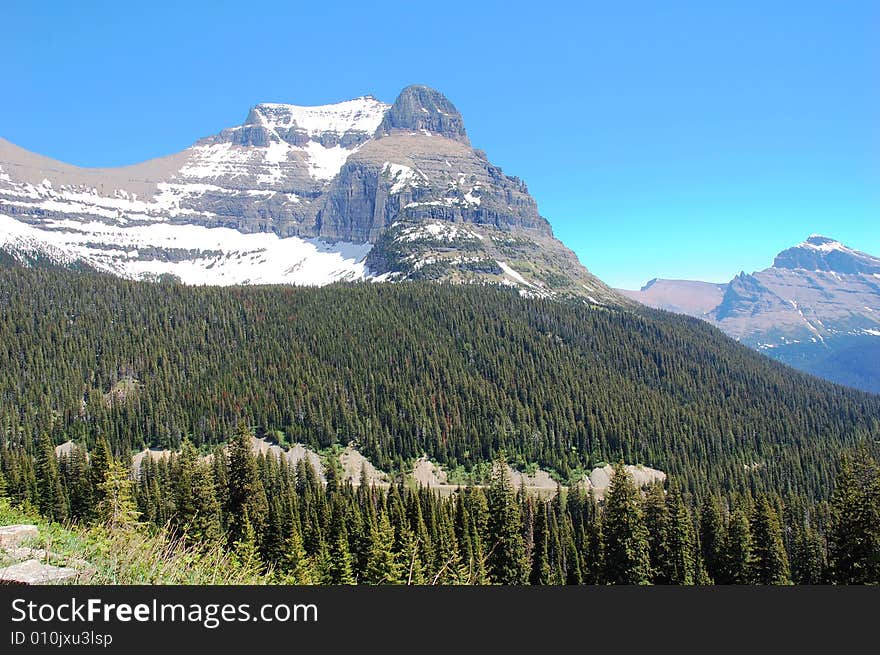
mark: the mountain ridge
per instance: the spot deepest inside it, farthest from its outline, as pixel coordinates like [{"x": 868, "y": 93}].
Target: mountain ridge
[
  {"x": 817, "y": 308},
  {"x": 298, "y": 195}
]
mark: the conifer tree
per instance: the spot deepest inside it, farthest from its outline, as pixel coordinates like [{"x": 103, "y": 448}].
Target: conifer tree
[
  {"x": 246, "y": 496},
  {"x": 712, "y": 537},
  {"x": 409, "y": 554},
  {"x": 625, "y": 536},
  {"x": 656, "y": 517},
  {"x": 770, "y": 566},
  {"x": 338, "y": 562},
  {"x": 540, "y": 574},
  {"x": 297, "y": 564},
  {"x": 117, "y": 508},
  {"x": 678, "y": 563},
  {"x": 244, "y": 548},
  {"x": 76, "y": 480},
  {"x": 383, "y": 566},
  {"x": 507, "y": 559},
  {"x": 594, "y": 545},
  {"x": 808, "y": 560},
  {"x": 51, "y": 500},
  {"x": 99, "y": 465},
  {"x": 738, "y": 557},
  {"x": 854, "y": 539}
]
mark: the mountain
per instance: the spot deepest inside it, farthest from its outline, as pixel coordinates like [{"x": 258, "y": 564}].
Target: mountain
[
  {"x": 817, "y": 309},
  {"x": 679, "y": 296},
  {"x": 303, "y": 195}
]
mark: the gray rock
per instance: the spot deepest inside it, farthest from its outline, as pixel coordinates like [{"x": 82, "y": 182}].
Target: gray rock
[
  {"x": 34, "y": 572},
  {"x": 12, "y": 536},
  {"x": 419, "y": 108}
]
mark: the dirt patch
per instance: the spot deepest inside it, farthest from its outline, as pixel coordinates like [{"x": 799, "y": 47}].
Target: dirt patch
[
  {"x": 264, "y": 447},
  {"x": 540, "y": 479},
  {"x": 353, "y": 463},
  {"x": 62, "y": 450},
  {"x": 155, "y": 454},
  {"x": 599, "y": 479},
  {"x": 299, "y": 452},
  {"x": 429, "y": 474}
]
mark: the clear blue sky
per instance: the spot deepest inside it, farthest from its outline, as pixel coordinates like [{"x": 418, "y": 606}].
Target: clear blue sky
[{"x": 670, "y": 139}]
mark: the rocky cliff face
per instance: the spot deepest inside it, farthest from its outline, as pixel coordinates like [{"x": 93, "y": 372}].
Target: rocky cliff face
[
  {"x": 817, "y": 308},
  {"x": 297, "y": 194}
]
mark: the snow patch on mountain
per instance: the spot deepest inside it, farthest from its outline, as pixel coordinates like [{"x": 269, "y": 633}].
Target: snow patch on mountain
[
  {"x": 437, "y": 232},
  {"x": 362, "y": 114},
  {"x": 197, "y": 255},
  {"x": 402, "y": 176}
]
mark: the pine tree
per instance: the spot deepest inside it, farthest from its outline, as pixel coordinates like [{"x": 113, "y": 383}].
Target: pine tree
[
  {"x": 808, "y": 556},
  {"x": 854, "y": 536},
  {"x": 338, "y": 562},
  {"x": 76, "y": 480},
  {"x": 656, "y": 522},
  {"x": 594, "y": 545},
  {"x": 117, "y": 508},
  {"x": 196, "y": 513},
  {"x": 712, "y": 539},
  {"x": 770, "y": 566},
  {"x": 678, "y": 563},
  {"x": 383, "y": 566},
  {"x": 99, "y": 465},
  {"x": 738, "y": 558},
  {"x": 540, "y": 574},
  {"x": 51, "y": 500},
  {"x": 297, "y": 564},
  {"x": 625, "y": 536},
  {"x": 245, "y": 492},
  {"x": 507, "y": 559},
  {"x": 244, "y": 548}
]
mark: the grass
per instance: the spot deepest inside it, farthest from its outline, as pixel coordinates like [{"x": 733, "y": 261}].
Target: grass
[{"x": 134, "y": 555}]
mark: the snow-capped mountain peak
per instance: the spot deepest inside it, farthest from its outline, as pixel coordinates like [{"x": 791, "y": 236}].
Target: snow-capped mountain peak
[
  {"x": 821, "y": 253},
  {"x": 298, "y": 194},
  {"x": 359, "y": 115},
  {"x": 825, "y": 244}
]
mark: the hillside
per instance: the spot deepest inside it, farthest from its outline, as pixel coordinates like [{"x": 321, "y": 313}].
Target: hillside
[{"x": 456, "y": 373}]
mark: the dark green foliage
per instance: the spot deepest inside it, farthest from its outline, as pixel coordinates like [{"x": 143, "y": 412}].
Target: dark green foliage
[
  {"x": 458, "y": 372},
  {"x": 196, "y": 506},
  {"x": 51, "y": 499},
  {"x": 626, "y": 549},
  {"x": 712, "y": 539},
  {"x": 854, "y": 539},
  {"x": 507, "y": 558},
  {"x": 738, "y": 557},
  {"x": 247, "y": 506},
  {"x": 678, "y": 564},
  {"x": 401, "y": 535},
  {"x": 770, "y": 559}
]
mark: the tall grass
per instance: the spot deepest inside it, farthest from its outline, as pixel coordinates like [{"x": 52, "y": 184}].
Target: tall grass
[{"x": 133, "y": 555}]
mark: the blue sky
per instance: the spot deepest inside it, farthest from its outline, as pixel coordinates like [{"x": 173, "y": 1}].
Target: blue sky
[{"x": 669, "y": 139}]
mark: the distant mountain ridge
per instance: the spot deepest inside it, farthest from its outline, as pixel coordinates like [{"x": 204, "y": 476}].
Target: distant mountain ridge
[
  {"x": 306, "y": 195},
  {"x": 817, "y": 309}
]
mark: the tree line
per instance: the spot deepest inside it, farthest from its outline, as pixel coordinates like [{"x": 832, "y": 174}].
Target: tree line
[{"x": 304, "y": 531}]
